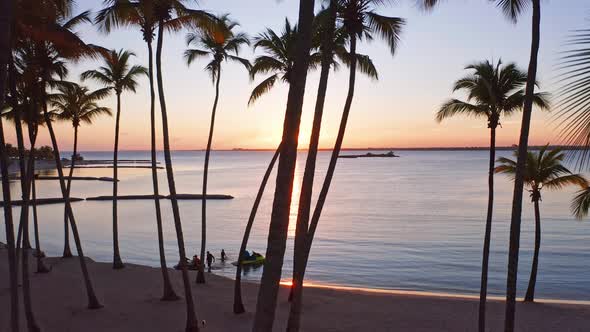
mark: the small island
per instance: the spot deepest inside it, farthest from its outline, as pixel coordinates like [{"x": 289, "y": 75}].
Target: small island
[{"x": 389, "y": 154}]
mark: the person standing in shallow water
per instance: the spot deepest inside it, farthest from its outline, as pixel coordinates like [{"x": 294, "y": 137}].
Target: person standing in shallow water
[
  {"x": 223, "y": 255},
  {"x": 210, "y": 260}
]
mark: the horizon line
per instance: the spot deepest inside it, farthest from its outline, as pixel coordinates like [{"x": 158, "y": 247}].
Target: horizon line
[{"x": 426, "y": 148}]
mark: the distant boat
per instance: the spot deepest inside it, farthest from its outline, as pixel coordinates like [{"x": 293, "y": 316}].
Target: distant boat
[{"x": 389, "y": 154}]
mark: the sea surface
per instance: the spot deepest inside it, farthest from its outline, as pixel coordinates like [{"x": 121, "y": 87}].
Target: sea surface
[{"x": 409, "y": 223}]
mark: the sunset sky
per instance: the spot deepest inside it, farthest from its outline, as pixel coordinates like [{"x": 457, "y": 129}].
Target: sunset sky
[{"x": 396, "y": 111}]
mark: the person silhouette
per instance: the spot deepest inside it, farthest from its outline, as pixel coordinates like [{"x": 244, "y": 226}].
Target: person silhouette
[{"x": 210, "y": 260}]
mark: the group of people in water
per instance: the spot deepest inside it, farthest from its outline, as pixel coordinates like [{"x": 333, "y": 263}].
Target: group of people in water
[{"x": 195, "y": 263}]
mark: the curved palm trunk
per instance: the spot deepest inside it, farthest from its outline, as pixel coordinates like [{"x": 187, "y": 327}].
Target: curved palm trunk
[
  {"x": 483, "y": 290},
  {"x": 67, "y": 252},
  {"x": 238, "y": 303},
  {"x": 5, "y": 58},
  {"x": 169, "y": 293},
  {"x": 41, "y": 268},
  {"x": 92, "y": 299},
  {"x": 520, "y": 169},
  {"x": 309, "y": 173},
  {"x": 28, "y": 305},
  {"x": 530, "y": 292},
  {"x": 295, "y": 313},
  {"x": 117, "y": 262},
  {"x": 279, "y": 223},
  {"x": 201, "y": 273},
  {"x": 191, "y": 316}
]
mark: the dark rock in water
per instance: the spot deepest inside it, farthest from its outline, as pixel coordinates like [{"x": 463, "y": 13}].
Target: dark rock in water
[
  {"x": 389, "y": 154},
  {"x": 178, "y": 196},
  {"x": 45, "y": 201},
  {"x": 80, "y": 178}
]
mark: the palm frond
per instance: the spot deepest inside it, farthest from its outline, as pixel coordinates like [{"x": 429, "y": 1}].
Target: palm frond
[
  {"x": 389, "y": 28},
  {"x": 454, "y": 107},
  {"x": 581, "y": 203},
  {"x": 512, "y": 9},
  {"x": 262, "y": 88}
]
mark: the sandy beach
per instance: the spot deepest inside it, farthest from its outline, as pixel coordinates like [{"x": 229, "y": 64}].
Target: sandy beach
[{"x": 131, "y": 303}]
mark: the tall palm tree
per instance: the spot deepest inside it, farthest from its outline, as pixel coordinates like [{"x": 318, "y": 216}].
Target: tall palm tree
[
  {"x": 219, "y": 44},
  {"x": 48, "y": 53},
  {"x": 141, "y": 14},
  {"x": 513, "y": 9},
  {"x": 78, "y": 105},
  {"x": 331, "y": 40},
  {"x": 543, "y": 169},
  {"x": 172, "y": 15},
  {"x": 359, "y": 21},
  {"x": 9, "y": 228},
  {"x": 493, "y": 91},
  {"x": 29, "y": 112},
  {"x": 279, "y": 223},
  {"x": 118, "y": 75},
  {"x": 6, "y": 18}
]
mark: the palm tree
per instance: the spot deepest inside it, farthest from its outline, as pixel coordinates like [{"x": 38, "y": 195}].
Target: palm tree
[
  {"x": 9, "y": 227},
  {"x": 279, "y": 224},
  {"x": 331, "y": 41},
  {"x": 543, "y": 169},
  {"x": 78, "y": 105},
  {"x": 218, "y": 44},
  {"x": 48, "y": 54},
  {"x": 359, "y": 21},
  {"x": 142, "y": 14},
  {"x": 494, "y": 91},
  {"x": 513, "y": 9},
  {"x": 6, "y": 15},
  {"x": 173, "y": 15},
  {"x": 118, "y": 75},
  {"x": 29, "y": 113}
]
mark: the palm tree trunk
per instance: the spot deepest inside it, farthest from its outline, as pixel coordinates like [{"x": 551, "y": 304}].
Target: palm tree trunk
[
  {"x": 41, "y": 268},
  {"x": 92, "y": 299},
  {"x": 191, "y": 316},
  {"x": 279, "y": 224},
  {"x": 483, "y": 290},
  {"x": 28, "y": 305},
  {"x": 295, "y": 313},
  {"x": 238, "y": 303},
  {"x": 169, "y": 293},
  {"x": 530, "y": 292},
  {"x": 201, "y": 273},
  {"x": 117, "y": 262},
  {"x": 5, "y": 58},
  {"x": 21, "y": 150},
  {"x": 309, "y": 173},
  {"x": 9, "y": 229},
  {"x": 520, "y": 168},
  {"x": 67, "y": 252}
]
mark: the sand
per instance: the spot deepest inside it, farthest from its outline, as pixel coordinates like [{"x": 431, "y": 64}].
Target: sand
[{"x": 131, "y": 303}]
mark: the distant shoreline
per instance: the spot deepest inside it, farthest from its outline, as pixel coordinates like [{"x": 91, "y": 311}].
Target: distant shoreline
[{"x": 457, "y": 148}]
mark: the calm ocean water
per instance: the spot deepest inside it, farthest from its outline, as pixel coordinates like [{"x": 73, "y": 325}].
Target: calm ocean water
[{"x": 411, "y": 223}]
